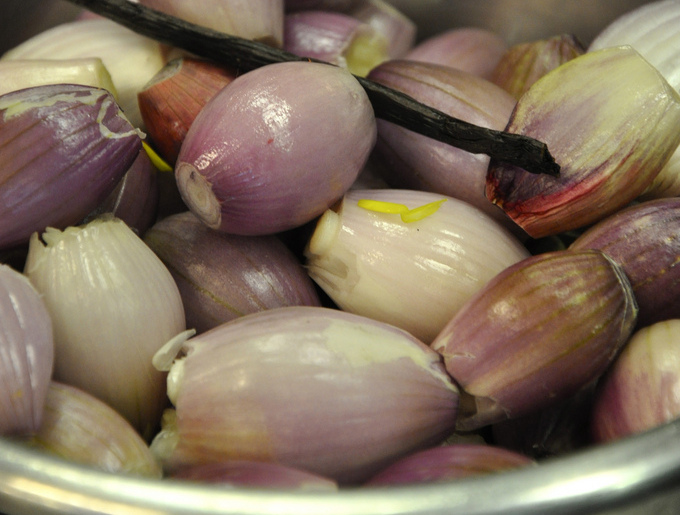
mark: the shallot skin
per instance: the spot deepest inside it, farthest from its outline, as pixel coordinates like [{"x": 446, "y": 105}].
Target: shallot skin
[
  {"x": 82, "y": 429},
  {"x": 261, "y": 20},
  {"x": 224, "y": 276},
  {"x": 63, "y": 149},
  {"x": 640, "y": 390},
  {"x": 414, "y": 161},
  {"x": 336, "y": 38},
  {"x": 413, "y": 275},
  {"x": 645, "y": 240},
  {"x": 537, "y": 333},
  {"x": 135, "y": 198},
  {"x": 26, "y": 354},
  {"x": 472, "y": 49},
  {"x": 329, "y": 392},
  {"x": 255, "y": 474},
  {"x": 611, "y": 140},
  {"x": 448, "y": 463},
  {"x": 275, "y": 148}
]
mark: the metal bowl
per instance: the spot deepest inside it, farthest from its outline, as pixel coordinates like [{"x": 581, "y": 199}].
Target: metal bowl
[{"x": 635, "y": 476}]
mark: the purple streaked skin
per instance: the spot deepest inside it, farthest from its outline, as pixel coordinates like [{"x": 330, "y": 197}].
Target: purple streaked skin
[
  {"x": 645, "y": 240},
  {"x": 224, "y": 276},
  {"x": 64, "y": 148},
  {"x": 538, "y": 332}
]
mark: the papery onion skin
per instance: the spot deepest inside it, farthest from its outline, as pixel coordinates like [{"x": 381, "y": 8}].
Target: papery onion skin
[
  {"x": 412, "y": 275},
  {"x": 26, "y": 354},
  {"x": 259, "y": 388},
  {"x": 412, "y": 161},
  {"x": 255, "y": 474},
  {"x": 82, "y": 429},
  {"x": 130, "y": 59},
  {"x": 260, "y": 21},
  {"x": 170, "y": 102},
  {"x": 471, "y": 49},
  {"x": 645, "y": 240},
  {"x": 135, "y": 198},
  {"x": 537, "y": 333},
  {"x": 266, "y": 155},
  {"x": 621, "y": 96},
  {"x": 336, "y": 38},
  {"x": 224, "y": 276},
  {"x": 640, "y": 391},
  {"x": 448, "y": 463},
  {"x": 113, "y": 305},
  {"x": 63, "y": 149}
]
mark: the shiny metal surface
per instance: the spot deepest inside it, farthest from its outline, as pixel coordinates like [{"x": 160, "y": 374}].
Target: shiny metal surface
[{"x": 637, "y": 476}]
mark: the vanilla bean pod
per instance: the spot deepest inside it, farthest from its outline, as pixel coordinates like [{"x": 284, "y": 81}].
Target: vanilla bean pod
[{"x": 388, "y": 104}]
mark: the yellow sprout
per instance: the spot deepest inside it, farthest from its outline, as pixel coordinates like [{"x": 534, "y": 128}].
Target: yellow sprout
[
  {"x": 382, "y": 207},
  {"x": 157, "y": 161},
  {"x": 407, "y": 215}
]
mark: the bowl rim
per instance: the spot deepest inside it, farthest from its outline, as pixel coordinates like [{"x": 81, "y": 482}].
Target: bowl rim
[{"x": 598, "y": 478}]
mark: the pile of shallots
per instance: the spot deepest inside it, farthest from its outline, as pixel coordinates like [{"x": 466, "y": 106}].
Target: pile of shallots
[{"x": 248, "y": 278}]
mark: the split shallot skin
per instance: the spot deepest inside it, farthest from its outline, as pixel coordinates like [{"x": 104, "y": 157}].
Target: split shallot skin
[
  {"x": 414, "y": 274},
  {"x": 64, "y": 148},
  {"x": 319, "y": 389},
  {"x": 275, "y": 148},
  {"x": 652, "y": 29},
  {"x": 113, "y": 305}
]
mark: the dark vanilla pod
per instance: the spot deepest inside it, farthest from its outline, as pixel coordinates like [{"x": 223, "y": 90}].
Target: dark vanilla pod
[{"x": 522, "y": 151}]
